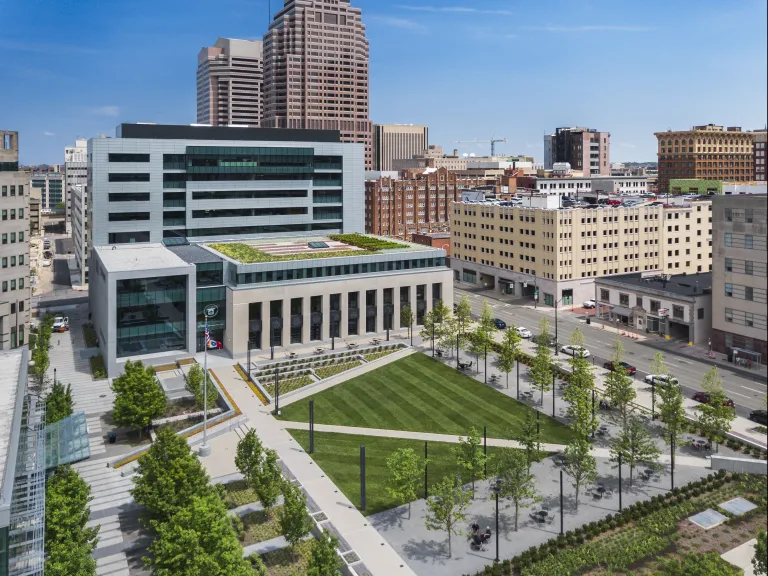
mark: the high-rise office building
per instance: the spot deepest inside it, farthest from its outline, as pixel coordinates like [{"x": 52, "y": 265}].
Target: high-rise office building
[
  {"x": 739, "y": 319},
  {"x": 14, "y": 250},
  {"x": 585, "y": 149},
  {"x": 229, "y": 83},
  {"x": 316, "y": 71},
  {"x": 708, "y": 152},
  {"x": 759, "y": 154},
  {"x": 397, "y": 141},
  {"x": 51, "y": 186}
]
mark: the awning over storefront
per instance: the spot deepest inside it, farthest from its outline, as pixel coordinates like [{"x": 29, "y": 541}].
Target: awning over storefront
[{"x": 621, "y": 311}]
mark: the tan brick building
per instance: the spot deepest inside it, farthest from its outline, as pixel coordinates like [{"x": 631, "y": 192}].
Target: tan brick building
[
  {"x": 559, "y": 252},
  {"x": 709, "y": 152},
  {"x": 418, "y": 203}
]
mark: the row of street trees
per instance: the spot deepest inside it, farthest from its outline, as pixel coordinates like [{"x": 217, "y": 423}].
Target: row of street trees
[
  {"x": 39, "y": 353},
  {"x": 262, "y": 474}
]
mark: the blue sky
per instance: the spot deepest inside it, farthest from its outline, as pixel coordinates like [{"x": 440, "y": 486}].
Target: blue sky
[{"x": 467, "y": 69}]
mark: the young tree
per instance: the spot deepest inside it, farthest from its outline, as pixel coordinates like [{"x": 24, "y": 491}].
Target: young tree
[
  {"x": 250, "y": 453},
  {"x": 470, "y": 456},
  {"x": 517, "y": 482},
  {"x": 657, "y": 365},
  {"x": 58, "y": 403},
  {"x": 541, "y": 369},
  {"x": 580, "y": 465},
  {"x": 712, "y": 382},
  {"x": 406, "y": 470},
  {"x": 463, "y": 315},
  {"x": 407, "y": 318},
  {"x": 167, "y": 477},
  {"x": 635, "y": 445},
  {"x": 618, "y": 384},
  {"x": 486, "y": 321},
  {"x": 578, "y": 393},
  {"x": 198, "y": 539},
  {"x": 294, "y": 520},
  {"x": 760, "y": 561},
  {"x": 446, "y": 507},
  {"x": 267, "y": 481},
  {"x": 258, "y": 566},
  {"x": 68, "y": 543},
  {"x": 715, "y": 417},
  {"x": 138, "y": 396},
  {"x": 544, "y": 335},
  {"x": 324, "y": 561},
  {"x": 480, "y": 343},
  {"x": 448, "y": 331},
  {"x": 42, "y": 363},
  {"x": 195, "y": 386},
  {"x": 529, "y": 439},
  {"x": 672, "y": 414},
  {"x": 510, "y": 348}
]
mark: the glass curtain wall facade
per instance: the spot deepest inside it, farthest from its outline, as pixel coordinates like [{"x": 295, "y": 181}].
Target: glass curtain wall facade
[
  {"x": 316, "y": 317},
  {"x": 151, "y": 315},
  {"x": 210, "y": 290},
  {"x": 254, "y": 325}
]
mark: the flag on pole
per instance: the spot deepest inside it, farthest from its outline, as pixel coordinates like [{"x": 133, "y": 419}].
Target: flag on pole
[{"x": 207, "y": 335}]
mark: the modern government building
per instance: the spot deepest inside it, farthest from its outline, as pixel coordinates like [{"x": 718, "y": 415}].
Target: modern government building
[{"x": 265, "y": 224}]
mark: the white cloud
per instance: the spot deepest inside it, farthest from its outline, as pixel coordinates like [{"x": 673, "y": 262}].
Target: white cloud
[
  {"x": 106, "y": 111},
  {"x": 48, "y": 134},
  {"x": 394, "y": 22},
  {"x": 591, "y": 28},
  {"x": 454, "y": 10}
]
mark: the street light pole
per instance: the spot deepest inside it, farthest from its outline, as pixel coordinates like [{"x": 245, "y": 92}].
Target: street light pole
[{"x": 209, "y": 312}]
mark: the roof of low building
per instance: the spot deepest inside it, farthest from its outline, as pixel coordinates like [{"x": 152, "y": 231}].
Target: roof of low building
[
  {"x": 126, "y": 257},
  {"x": 678, "y": 284},
  {"x": 11, "y": 386}
]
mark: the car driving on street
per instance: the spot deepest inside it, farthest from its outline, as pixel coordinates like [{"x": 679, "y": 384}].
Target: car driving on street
[
  {"x": 628, "y": 367},
  {"x": 575, "y": 351},
  {"x": 524, "y": 332},
  {"x": 660, "y": 379},
  {"x": 499, "y": 323},
  {"x": 759, "y": 416},
  {"x": 706, "y": 398}
]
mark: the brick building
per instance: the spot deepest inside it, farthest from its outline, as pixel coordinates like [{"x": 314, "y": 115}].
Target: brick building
[{"x": 709, "y": 152}]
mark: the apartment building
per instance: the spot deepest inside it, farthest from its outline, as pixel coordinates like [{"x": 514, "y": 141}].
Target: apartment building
[
  {"x": 153, "y": 183},
  {"x": 585, "y": 149},
  {"x": 759, "y": 155},
  {"x": 230, "y": 76},
  {"x": 709, "y": 152},
  {"x": 316, "y": 71},
  {"x": 80, "y": 230},
  {"x": 395, "y": 141},
  {"x": 740, "y": 321},
  {"x": 420, "y": 203},
  {"x": 75, "y": 172},
  {"x": 519, "y": 250},
  {"x": 51, "y": 187},
  {"x": 14, "y": 249}
]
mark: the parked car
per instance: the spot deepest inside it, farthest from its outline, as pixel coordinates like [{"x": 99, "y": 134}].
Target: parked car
[
  {"x": 61, "y": 324},
  {"x": 500, "y": 324},
  {"x": 614, "y": 202},
  {"x": 759, "y": 416},
  {"x": 575, "y": 351},
  {"x": 628, "y": 367},
  {"x": 660, "y": 379},
  {"x": 589, "y": 304},
  {"x": 46, "y": 263},
  {"x": 524, "y": 332},
  {"x": 706, "y": 398}
]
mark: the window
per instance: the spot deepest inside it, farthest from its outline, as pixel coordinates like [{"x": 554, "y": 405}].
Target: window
[
  {"x": 128, "y": 158},
  {"x": 749, "y": 215},
  {"x": 729, "y": 214},
  {"x": 604, "y": 295},
  {"x": 678, "y": 312},
  {"x": 129, "y": 177},
  {"x": 128, "y": 216},
  {"x": 5, "y": 262},
  {"x": 7, "y": 141},
  {"x": 729, "y": 290},
  {"x": 749, "y": 267},
  {"x": 655, "y": 306},
  {"x": 748, "y": 293},
  {"x": 5, "y": 286},
  {"x": 624, "y": 299},
  {"x": 128, "y": 237},
  {"x": 21, "y": 283},
  {"x": 728, "y": 239},
  {"x": 729, "y": 314},
  {"x": 729, "y": 264},
  {"x": 749, "y": 319},
  {"x": 700, "y": 313},
  {"x": 748, "y": 241},
  {"x": 129, "y": 197}
]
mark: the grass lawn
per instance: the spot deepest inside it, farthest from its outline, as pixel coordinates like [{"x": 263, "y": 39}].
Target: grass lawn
[
  {"x": 339, "y": 457},
  {"x": 258, "y": 527},
  {"x": 419, "y": 394}
]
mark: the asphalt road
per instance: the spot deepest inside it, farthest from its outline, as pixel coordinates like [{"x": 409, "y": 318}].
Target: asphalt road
[{"x": 746, "y": 393}]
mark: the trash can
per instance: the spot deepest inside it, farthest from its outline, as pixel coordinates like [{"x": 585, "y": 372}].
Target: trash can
[
  {"x": 112, "y": 437},
  {"x": 588, "y": 320}
]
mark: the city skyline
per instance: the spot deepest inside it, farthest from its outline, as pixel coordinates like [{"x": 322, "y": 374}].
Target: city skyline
[{"x": 93, "y": 66}]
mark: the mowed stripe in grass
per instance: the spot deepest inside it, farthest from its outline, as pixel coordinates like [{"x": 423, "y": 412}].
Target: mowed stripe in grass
[
  {"x": 420, "y": 394},
  {"x": 339, "y": 457}
]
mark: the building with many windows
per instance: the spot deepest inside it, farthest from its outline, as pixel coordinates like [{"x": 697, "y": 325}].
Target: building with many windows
[
  {"x": 14, "y": 249},
  {"x": 316, "y": 71},
  {"x": 395, "y": 141},
  {"x": 709, "y": 152},
  {"x": 51, "y": 186},
  {"x": 739, "y": 305},
  {"x": 79, "y": 196},
  {"x": 148, "y": 300},
  {"x": 156, "y": 182},
  {"x": 585, "y": 149},
  {"x": 559, "y": 252},
  {"x": 229, "y": 83},
  {"x": 760, "y": 153},
  {"x": 75, "y": 172}
]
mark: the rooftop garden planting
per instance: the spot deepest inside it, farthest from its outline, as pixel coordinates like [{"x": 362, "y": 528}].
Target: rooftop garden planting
[
  {"x": 367, "y": 242},
  {"x": 248, "y": 254}
]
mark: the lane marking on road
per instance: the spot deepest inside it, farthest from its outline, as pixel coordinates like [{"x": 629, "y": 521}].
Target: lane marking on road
[
  {"x": 750, "y": 389},
  {"x": 742, "y": 395}
]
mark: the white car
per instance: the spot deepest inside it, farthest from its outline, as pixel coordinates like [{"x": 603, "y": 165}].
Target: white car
[
  {"x": 660, "y": 379},
  {"x": 589, "y": 304},
  {"x": 61, "y": 324},
  {"x": 46, "y": 263},
  {"x": 524, "y": 332},
  {"x": 575, "y": 351}
]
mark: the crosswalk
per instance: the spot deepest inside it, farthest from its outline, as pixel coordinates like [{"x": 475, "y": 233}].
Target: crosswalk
[{"x": 114, "y": 565}]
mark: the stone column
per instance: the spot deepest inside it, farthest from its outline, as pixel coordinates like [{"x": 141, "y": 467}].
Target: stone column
[
  {"x": 380, "y": 310},
  {"x": 306, "y": 302}
]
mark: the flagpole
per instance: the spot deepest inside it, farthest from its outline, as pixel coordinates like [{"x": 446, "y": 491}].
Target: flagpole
[{"x": 204, "y": 449}]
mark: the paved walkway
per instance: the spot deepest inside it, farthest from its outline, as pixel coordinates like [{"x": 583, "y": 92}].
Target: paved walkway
[
  {"x": 375, "y": 552},
  {"x": 741, "y": 557}
]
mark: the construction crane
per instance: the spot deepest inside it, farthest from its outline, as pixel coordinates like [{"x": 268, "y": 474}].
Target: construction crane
[{"x": 492, "y": 142}]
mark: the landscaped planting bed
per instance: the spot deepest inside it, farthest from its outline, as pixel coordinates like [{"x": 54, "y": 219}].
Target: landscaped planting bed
[
  {"x": 179, "y": 407},
  {"x": 289, "y": 384},
  {"x": 248, "y": 254},
  {"x": 376, "y": 355},
  {"x": 238, "y": 493},
  {"x": 97, "y": 367},
  {"x": 260, "y": 527},
  {"x": 91, "y": 339},
  {"x": 287, "y": 562},
  {"x": 367, "y": 242},
  {"x": 179, "y": 425},
  {"x": 419, "y": 394},
  {"x": 328, "y": 371}
]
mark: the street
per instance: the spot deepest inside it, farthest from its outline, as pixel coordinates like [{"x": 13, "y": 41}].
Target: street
[{"x": 746, "y": 393}]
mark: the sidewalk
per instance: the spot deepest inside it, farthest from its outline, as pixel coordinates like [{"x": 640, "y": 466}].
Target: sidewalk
[{"x": 377, "y": 555}]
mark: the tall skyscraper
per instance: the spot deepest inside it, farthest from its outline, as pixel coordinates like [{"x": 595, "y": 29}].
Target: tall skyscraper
[
  {"x": 316, "y": 70},
  {"x": 585, "y": 149},
  {"x": 229, "y": 83},
  {"x": 14, "y": 251},
  {"x": 397, "y": 142}
]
